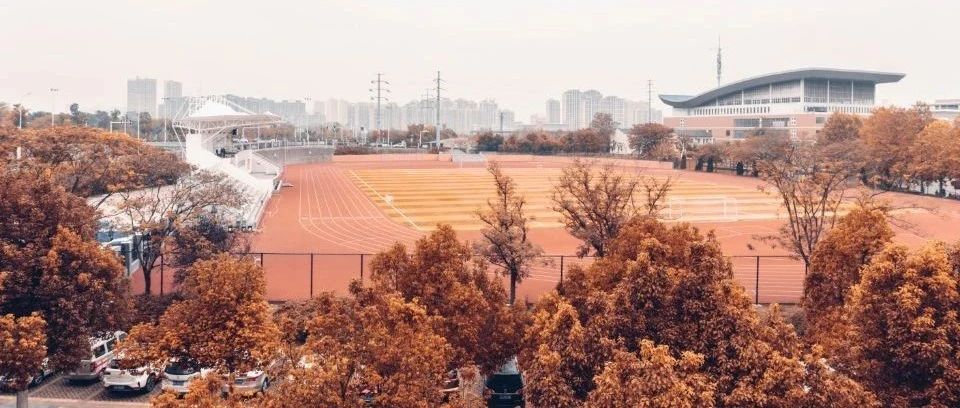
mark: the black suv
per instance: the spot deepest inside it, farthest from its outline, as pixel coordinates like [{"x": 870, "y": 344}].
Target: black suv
[{"x": 504, "y": 389}]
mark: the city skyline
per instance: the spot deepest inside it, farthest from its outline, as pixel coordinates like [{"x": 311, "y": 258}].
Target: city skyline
[{"x": 518, "y": 58}]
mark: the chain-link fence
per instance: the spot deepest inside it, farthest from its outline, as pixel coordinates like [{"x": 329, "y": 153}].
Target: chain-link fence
[{"x": 298, "y": 276}]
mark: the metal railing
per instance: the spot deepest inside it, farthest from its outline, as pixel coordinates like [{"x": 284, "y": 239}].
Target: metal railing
[{"x": 302, "y": 275}]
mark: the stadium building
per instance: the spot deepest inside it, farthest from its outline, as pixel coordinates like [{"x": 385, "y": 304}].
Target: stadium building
[{"x": 797, "y": 102}]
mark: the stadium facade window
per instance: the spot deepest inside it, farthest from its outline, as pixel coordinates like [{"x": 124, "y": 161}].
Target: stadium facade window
[{"x": 815, "y": 90}]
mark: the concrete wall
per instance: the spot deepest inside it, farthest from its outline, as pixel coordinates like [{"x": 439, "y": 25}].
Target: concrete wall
[
  {"x": 444, "y": 157},
  {"x": 282, "y": 156}
]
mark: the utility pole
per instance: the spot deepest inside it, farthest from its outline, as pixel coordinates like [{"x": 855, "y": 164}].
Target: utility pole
[
  {"x": 53, "y": 105},
  {"x": 380, "y": 89},
  {"x": 501, "y": 123},
  {"x": 649, "y": 101},
  {"x": 438, "y": 89}
]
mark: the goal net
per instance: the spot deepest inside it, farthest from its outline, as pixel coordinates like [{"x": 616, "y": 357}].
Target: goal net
[
  {"x": 460, "y": 157},
  {"x": 709, "y": 208}
]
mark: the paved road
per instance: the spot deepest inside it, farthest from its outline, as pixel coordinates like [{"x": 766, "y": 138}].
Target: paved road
[{"x": 55, "y": 392}]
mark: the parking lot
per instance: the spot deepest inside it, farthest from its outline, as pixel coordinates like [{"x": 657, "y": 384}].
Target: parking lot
[{"x": 57, "y": 388}]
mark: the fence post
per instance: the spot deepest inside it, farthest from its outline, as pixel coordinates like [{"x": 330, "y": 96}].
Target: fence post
[
  {"x": 361, "y": 268},
  {"x": 756, "y": 292},
  {"x": 161, "y": 274},
  {"x": 561, "y": 269},
  {"x": 261, "y": 259},
  {"x": 311, "y": 275}
]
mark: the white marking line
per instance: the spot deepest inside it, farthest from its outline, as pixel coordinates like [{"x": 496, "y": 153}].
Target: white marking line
[{"x": 407, "y": 219}]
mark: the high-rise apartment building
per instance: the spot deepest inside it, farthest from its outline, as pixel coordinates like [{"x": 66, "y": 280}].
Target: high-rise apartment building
[
  {"x": 590, "y": 103},
  {"x": 142, "y": 96},
  {"x": 615, "y": 107},
  {"x": 554, "y": 111},
  {"x": 172, "y": 99},
  {"x": 572, "y": 109}
]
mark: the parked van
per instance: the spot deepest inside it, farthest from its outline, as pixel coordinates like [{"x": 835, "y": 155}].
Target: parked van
[{"x": 101, "y": 354}]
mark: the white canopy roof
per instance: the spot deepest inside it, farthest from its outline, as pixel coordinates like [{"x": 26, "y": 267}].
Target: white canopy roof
[{"x": 213, "y": 109}]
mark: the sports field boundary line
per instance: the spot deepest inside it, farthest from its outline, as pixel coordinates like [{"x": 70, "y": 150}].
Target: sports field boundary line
[{"x": 355, "y": 176}]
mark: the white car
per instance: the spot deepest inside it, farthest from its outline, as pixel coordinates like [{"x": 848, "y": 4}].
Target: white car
[
  {"x": 45, "y": 371},
  {"x": 119, "y": 379},
  {"x": 248, "y": 383},
  {"x": 178, "y": 375}
]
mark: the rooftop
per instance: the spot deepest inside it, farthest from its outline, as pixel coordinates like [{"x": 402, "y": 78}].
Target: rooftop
[{"x": 687, "y": 101}]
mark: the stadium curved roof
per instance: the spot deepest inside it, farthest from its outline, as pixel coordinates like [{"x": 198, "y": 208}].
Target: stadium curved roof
[{"x": 687, "y": 101}]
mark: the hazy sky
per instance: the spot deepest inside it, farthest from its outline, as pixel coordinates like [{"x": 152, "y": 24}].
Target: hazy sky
[{"x": 518, "y": 52}]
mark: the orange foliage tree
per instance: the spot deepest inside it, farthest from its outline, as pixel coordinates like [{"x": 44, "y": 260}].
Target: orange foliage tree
[
  {"x": 835, "y": 267},
  {"x": 904, "y": 338},
  {"x": 671, "y": 286},
  {"x": 223, "y": 322},
  {"x": 372, "y": 343},
  {"x": 90, "y": 161},
  {"x": 51, "y": 265},
  {"x": 934, "y": 156},
  {"x": 24, "y": 347},
  {"x": 887, "y": 135},
  {"x": 443, "y": 277}
]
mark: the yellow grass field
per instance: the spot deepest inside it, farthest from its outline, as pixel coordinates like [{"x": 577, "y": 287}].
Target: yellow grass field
[{"x": 422, "y": 198}]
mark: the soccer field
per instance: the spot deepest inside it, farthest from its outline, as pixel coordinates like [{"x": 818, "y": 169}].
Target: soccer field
[{"x": 422, "y": 198}]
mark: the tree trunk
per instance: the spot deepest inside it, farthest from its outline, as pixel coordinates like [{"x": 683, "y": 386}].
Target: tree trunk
[
  {"x": 22, "y": 399},
  {"x": 513, "y": 287}
]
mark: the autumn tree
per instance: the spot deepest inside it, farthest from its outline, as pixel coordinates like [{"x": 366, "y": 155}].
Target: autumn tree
[
  {"x": 489, "y": 142},
  {"x": 51, "y": 265},
  {"x": 588, "y": 140},
  {"x": 604, "y": 124},
  {"x": 374, "y": 342},
  {"x": 92, "y": 162},
  {"x": 594, "y": 204},
  {"x": 811, "y": 188},
  {"x": 835, "y": 266},
  {"x": 24, "y": 341},
  {"x": 442, "y": 275},
  {"x": 223, "y": 322},
  {"x": 158, "y": 212},
  {"x": 652, "y": 377},
  {"x": 934, "y": 155},
  {"x": 672, "y": 287},
  {"x": 885, "y": 134},
  {"x": 505, "y": 243},
  {"x": 203, "y": 238},
  {"x": 904, "y": 341},
  {"x": 840, "y": 128},
  {"x": 645, "y": 138}
]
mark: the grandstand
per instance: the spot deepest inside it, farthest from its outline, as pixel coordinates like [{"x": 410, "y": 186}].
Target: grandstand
[{"x": 205, "y": 125}]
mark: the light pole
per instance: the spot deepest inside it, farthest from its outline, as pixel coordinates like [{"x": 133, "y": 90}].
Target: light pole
[
  {"x": 20, "y": 123},
  {"x": 53, "y": 104}
]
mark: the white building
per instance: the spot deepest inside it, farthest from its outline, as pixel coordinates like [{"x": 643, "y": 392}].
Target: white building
[
  {"x": 946, "y": 109},
  {"x": 142, "y": 96},
  {"x": 554, "y": 111},
  {"x": 572, "y": 111}
]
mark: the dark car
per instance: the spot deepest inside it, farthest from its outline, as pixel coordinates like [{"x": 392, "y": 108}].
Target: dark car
[{"x": 504, "y": 389}]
